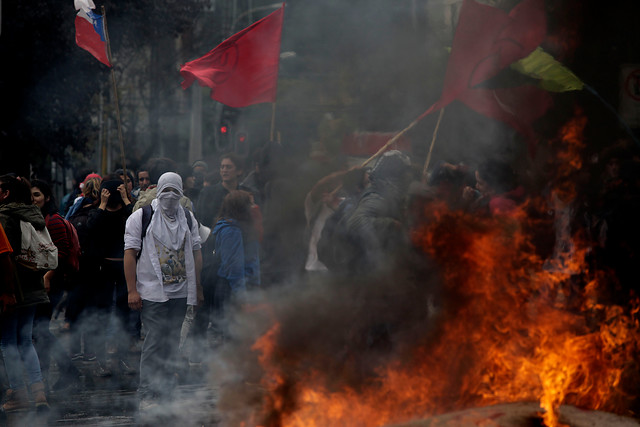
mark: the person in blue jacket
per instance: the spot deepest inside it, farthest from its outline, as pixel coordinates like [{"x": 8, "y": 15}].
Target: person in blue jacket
[{"x": 237, "y": 246}]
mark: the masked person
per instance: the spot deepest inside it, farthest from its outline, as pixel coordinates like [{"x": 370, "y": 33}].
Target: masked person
[
  {"x": 162, "y": 263},
  {"x": 106, "y": 226}
]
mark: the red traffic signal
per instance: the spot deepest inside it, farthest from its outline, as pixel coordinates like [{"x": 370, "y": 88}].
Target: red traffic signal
[{"x": 224, "y": 129}]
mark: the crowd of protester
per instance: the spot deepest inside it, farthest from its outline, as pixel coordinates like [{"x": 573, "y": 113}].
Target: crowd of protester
[{"x": 175, "y": 250}]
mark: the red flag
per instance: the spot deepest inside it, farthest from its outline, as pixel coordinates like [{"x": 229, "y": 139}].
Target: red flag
[
  {"x": 487, "y": 40},
  {"x": 516, "y": 106},
  {"x": 242, "y": 70}
]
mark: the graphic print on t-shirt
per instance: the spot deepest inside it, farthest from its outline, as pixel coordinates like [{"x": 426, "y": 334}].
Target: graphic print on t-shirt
[{"x": 172, "y": 264}]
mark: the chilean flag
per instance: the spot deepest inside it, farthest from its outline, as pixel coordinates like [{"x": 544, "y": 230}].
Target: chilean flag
[{"x": 90, "y": 33}]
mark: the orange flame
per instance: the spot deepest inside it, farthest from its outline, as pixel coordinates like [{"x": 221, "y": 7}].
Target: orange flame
[{"x": 516, "y": 326}]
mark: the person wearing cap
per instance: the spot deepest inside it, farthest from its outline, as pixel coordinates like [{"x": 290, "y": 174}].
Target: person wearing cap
[{"x": 162, "y": 272}]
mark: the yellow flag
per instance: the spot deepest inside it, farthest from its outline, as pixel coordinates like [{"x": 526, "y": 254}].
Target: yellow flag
[{"x": 553, "y": 76}]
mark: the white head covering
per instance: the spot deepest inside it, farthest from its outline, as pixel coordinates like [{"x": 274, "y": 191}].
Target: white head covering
[{"x": 170, "y": 227}]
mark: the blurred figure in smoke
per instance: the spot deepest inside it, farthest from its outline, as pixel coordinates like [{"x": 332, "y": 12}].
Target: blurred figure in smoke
[
  {"x": 199, "y": 169},
  {"x": 18, "y": 352},
  {"x": 237, "y": 246},
  {"x": 257, "y": 180},
  {"x": 340, "y": 202},
  {"x": 106, "y": 226},
  {"x": 56, "y": 281},
  {"x": 612, "y": 218},
  {"x": 497, "y": 191},
  {"x": 376, "y": 230},
  {"x": 448, "y": 183},
  {"x": 210, "y": 202},
  {"x": 160, "y": 288}
]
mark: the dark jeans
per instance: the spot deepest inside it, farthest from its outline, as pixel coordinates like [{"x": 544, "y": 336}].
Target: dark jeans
[
  {"x": 46, "y": 344},
  {"x": 159, "y": 360},
  {"x": 98, "y": 314},
  {"x": 17, "y": 347}
]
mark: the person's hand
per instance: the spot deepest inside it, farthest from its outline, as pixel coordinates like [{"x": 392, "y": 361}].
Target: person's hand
[
  {"x": 104, "y": 197},
  {"x": 135, "y": 301},
  {"x": 200, "y": 296},
  {"x": 7, "y": 302},
  {"x": 47, "y": 283},
  {"x": 123, "y": 193}
]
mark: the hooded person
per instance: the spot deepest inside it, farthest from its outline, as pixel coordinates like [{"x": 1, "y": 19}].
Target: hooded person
[
  {"x": 376, "y": 229},
  {"x": 162, "y": 271}
]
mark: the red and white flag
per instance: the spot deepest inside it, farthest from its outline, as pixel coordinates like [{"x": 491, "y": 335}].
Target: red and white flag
[{"x": 90, "y": 32}]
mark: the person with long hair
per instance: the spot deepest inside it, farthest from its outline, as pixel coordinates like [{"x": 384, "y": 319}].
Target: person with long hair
[
  {"x": 82, "y": 292},
  {"x": 47, "y": 345},
  {"x": 237, "y": 245},
  {"x": 16, "y": 324}
]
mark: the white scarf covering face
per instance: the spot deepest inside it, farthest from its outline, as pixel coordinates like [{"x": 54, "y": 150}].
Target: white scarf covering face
[{"x": 170, "y": 227}]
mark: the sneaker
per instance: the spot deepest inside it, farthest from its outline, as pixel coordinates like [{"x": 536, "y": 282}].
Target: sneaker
[
  {"x": 102, "y": 371},
  {"x": 77, "y": 356},
  {"x": 126, "y": 369},
  {"x": 90, "y": 357}
]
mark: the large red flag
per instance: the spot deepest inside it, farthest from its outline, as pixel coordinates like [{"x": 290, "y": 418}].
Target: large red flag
[
  {"x": 242, "y": 70},
  {"x": 516, "y": 106},
  {"x": 488, "y": 40}
]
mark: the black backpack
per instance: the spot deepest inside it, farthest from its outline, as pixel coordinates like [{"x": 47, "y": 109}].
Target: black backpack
[{"x": 79, "y": 222}]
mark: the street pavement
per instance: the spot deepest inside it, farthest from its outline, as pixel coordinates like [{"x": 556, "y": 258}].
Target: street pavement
[{"x": 113, "y": 401}]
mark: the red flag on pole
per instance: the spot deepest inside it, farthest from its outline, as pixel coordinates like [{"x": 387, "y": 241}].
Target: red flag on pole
[
  {"x": 488, "y": 40},
  {"x": 242, "y": 70},
  {"x": 516, "y": 106}
]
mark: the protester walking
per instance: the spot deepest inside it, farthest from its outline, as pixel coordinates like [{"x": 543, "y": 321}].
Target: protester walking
[{"x": 162, "y": 263}]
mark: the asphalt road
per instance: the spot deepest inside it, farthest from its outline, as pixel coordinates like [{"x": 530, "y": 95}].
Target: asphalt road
[{"x": 113, "y": 401}]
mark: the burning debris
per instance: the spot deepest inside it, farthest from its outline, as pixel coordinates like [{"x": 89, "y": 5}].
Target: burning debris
[{"x": 480, "y": 314}]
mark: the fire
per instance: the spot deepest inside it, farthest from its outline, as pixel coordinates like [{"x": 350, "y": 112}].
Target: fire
[{"x": 512, "y": 325}]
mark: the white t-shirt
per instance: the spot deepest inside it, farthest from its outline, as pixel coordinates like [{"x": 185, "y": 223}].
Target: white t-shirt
[{"x": 161, "y": 273}]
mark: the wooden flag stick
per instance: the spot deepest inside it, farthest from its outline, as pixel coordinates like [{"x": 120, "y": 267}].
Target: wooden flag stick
[
  {"x": 115, "y": 97},
  {"x": 433, "y": 142},
  {"x": 391, "y": 141},
  {"x": 273, "y": 121}
]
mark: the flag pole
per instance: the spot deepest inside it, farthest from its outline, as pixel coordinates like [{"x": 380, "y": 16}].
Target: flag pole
[
  {"x": 433, "y": 142},
  {"x": 273, "y": 121},
  {"x": 115, "y": 95},
  {"x": 615, "y": 113},
  {"x": 391, "y": 141}
]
